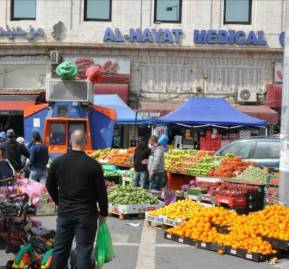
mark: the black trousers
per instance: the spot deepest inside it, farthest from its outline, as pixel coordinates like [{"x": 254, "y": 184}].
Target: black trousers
[{"x": 83, "y": 228}]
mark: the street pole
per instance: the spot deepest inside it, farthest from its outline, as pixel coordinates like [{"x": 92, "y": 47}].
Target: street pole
[{"x": 284, "y": 134}]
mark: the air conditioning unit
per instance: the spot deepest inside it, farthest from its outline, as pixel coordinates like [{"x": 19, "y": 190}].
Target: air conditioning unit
[
  {"x": 69, "y": 90},
  {"x": 54, "y": 57},
  {"x": 246, "y": 96}
]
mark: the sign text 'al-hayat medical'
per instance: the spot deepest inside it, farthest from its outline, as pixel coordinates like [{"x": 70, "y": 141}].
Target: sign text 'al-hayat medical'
[{"x": 200, "y": 37}]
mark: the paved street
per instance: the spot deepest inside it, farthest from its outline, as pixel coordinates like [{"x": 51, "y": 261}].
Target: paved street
[{"x": 143, "y": 247}]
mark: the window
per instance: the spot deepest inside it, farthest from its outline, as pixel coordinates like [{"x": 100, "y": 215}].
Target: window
[
  {"x": 57, "y": 134},
  {"x": 73, "y": 126},
  {"x": 242, "y": 149},
  {"x": 97, "y": 10},
  {"x": 168, "y": 11},
  {"x": 237, "y": 11},
  {"x": 267, "y": 150},
  {"x": 23, "y": 9}
]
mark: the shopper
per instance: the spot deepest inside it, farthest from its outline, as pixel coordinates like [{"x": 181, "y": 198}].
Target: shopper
[
  {"x": 38, "y": 159},
  {"x": 76, "y": 184},
  {"x": 6, "y": 169},
  {"x": 13, "y": 151},
  {"x": 156, "y": 166},
  {"x": 141, "y": 155},
  {"x": 2, "y": 137}
]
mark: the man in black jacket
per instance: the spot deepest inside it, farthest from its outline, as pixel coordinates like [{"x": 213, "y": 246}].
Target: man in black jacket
[
  {"x": 141, "y": 155},
  {"x": 76, "y": 184},
  {"x": 13, "y": 151}
]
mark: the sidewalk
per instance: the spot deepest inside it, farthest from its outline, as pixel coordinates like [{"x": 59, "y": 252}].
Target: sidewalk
[{"x": 144, "y": 248}]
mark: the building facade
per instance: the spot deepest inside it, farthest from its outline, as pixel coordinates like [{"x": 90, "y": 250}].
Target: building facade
[{"x": 175, "y": 48}]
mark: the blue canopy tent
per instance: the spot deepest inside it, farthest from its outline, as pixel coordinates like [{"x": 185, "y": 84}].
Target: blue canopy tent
[
  {"x": 124, "y": 114},
  {"x": 209, "y": 111}
]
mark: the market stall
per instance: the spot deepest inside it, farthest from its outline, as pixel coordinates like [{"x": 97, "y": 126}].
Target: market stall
[
  {"x": 208, "y": 123},
  {"x": 259, "y": 236},
  {"x": 201, "y": 176}
]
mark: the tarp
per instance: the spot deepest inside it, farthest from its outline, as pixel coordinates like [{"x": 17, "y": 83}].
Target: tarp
[
  {"x": 124, "y": 114},
  {"x": 209, "y": 111}
]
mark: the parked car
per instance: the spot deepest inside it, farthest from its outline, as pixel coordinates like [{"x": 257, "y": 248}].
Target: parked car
[{"x": 264, "y": 151}]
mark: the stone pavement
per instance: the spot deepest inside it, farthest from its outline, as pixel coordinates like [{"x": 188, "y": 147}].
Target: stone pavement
[{"x": 144, "y": 247}]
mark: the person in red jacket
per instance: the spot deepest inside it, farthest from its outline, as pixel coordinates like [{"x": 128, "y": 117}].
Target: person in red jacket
[{"x": 76, "y": 184}]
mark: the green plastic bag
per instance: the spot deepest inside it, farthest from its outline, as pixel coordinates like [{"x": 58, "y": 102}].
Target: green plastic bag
[{"x": 104, "y": 250}]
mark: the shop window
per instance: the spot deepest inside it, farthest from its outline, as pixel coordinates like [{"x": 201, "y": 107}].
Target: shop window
[
  {"x": 73, "y": 126},
  {"x": 168, "y": 11},
  {"x": 97, "y": 10},
  {"x": 23, "y": 9},
  {"x": 57, "y": 134},
  {"x": 237, "y": 11}
]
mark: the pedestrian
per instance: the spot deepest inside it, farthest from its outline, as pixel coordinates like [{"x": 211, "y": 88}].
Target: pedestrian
[
  {"x": 6, "y": 169},
  {"x": 141, "y": 155},
  {"x": 76, "y": 184},
  {"x": 156, "y": 165},
  {"x": 13, "y": 151},
  {"x": 38, "y": 159},
  {"x": 2, "y": 137}
]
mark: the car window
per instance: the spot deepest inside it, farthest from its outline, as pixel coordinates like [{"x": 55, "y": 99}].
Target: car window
[
  {"x": 267, "y": 150},
  {"x": 241, "y": 149}
]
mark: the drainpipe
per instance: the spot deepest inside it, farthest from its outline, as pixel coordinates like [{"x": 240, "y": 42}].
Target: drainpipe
[
  {"x": 140, "y": 76},
  {"x": 71, "y": 14}
]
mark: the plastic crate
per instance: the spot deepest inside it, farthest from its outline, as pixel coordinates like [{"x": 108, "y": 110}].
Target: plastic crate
[{"x": 231, "y": 201}]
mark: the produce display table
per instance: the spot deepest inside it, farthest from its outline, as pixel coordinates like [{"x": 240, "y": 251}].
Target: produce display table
[{"x": 256, "y": 237}]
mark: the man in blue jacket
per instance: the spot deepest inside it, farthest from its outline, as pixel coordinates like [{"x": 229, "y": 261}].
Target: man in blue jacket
[{"x": 38, "y": 158}]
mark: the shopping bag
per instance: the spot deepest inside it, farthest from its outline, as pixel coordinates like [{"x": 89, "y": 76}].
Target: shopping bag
[{"x": 104, "y": 250}]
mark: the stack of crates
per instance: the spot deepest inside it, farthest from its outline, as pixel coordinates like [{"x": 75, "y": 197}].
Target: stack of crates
[
  {"x": 272, "y": 188},
  {"x": 210, "y": 142}
]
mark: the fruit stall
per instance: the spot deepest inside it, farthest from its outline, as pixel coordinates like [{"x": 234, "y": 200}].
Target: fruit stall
[
  {"x": 259, "y": 236},
  {"x": 201, "y": 176}
]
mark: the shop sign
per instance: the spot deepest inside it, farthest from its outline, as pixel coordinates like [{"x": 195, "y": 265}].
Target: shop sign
[
  {"x": 146, "y": 36},
  {"x": 200, "y": 37},
  {"x": 230, "y": 37},
  {"x": 149, "y": 114},
  {"x": 14, "y": 32}
]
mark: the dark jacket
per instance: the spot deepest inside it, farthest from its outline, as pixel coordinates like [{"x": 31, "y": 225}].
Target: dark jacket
[
  {"x": 13, "y": 152},
  {"x": 140, "y": 155},
  {"x": 76, "y": 184},
  {"x": 39, "y": 157}
]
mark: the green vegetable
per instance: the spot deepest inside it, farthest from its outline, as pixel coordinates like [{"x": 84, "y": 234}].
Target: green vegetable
[
  {"x": 128, "y": 195},
  {"x": 253, "y": 174}
]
